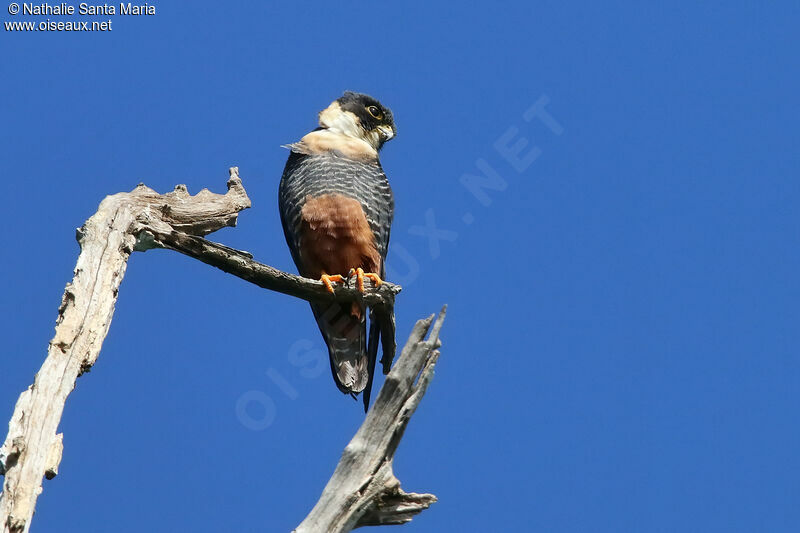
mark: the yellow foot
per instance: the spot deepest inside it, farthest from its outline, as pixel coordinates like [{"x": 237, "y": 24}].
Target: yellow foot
[
  {"x": 326, "y": 280},
  {"x": 360, "y": 275}
]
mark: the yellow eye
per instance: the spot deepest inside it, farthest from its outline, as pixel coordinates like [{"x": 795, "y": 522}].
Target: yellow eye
[{"x": 375, "y": 112}]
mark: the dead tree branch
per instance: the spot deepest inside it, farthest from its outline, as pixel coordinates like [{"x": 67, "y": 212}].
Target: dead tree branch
[
  {"x": 32, "y": 448},
  {"x": 143, "y": 219},
  {"x": 363, "y": 490},
  {"x": 241, "y": 264}
]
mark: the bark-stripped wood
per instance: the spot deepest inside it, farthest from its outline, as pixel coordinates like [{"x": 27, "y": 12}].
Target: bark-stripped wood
[
  {"x": 363, "y": 490},
  {"x": 143, "y": 219},
  {"x": 32, "y": 448}
]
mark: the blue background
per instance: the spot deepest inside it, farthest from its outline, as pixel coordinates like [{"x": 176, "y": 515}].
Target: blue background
[{"x": 621, "y": 350}]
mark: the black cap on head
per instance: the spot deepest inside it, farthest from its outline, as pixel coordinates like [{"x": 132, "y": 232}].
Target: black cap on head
[{"x": 369, "y": 111}]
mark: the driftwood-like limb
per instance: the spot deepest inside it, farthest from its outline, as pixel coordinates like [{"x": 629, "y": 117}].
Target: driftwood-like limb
[
  {"x": 32, "y": 448},
  {"x": 363, "y": 490},
  {"x": 136, "y": 221},
  {"x": 242, "y": 265}
]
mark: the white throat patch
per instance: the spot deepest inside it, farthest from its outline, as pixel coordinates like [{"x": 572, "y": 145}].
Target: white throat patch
[{"x": 346, "y": 123}]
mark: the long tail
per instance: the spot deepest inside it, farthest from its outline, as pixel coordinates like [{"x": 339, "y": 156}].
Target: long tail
[
  {"x": 381, "y": 327},
  {"x": 344, "y": 328},
  {"x": 381, "y": 331}
]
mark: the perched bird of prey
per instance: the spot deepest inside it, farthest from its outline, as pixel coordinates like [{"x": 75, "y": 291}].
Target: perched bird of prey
[{"x": 336, "y": 208}]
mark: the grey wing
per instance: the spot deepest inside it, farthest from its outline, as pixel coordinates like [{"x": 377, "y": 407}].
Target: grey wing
[
  {"x": 291, "y": 196},
  {"x": 377, "y": 200}
]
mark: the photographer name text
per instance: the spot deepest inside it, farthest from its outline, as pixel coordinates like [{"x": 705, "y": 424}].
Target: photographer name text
[{"x": 88, "y": 9}]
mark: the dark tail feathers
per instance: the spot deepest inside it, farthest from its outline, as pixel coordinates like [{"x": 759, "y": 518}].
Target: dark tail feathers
[{"x": 344, "y": 328}]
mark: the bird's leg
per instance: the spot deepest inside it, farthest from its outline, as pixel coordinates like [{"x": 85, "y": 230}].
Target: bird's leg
[
  {"x": 326, "y": 280},
  {"x": 360, "y": 275}
]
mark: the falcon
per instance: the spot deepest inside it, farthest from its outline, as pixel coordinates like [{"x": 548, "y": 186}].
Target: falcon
[{"x": 336, "y": 209}]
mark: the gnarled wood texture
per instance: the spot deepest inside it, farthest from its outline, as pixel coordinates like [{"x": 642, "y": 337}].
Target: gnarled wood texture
[{"x": 363, "y": 490}]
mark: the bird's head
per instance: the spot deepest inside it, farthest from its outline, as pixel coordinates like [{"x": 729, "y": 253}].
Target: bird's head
[{"x": 360, "y": 116}]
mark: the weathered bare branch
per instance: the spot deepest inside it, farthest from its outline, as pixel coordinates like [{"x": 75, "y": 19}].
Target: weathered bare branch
[
  {"x": 32, "y": 448},
  {"x": 241, "y": 264},
  {"x": 363, "y": 490},
  {"x": 143, "y": 219}
]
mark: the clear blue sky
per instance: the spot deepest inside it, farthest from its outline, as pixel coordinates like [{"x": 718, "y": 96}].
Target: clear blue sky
[{"x": 621, "y": 352}]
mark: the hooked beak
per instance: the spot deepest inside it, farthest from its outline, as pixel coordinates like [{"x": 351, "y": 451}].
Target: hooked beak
[{"x": 386, "y": 132}]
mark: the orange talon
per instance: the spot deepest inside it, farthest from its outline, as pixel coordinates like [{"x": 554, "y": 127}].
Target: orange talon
[
  {"x": 360, "y": 275},
  {"x": 326, "y": 280},
  {"x": 376, "y": 279}
]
